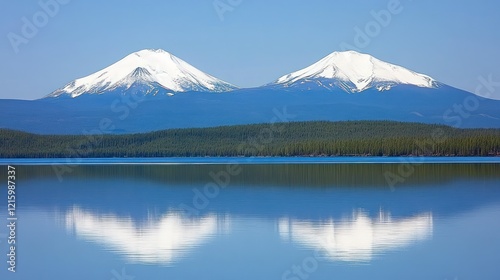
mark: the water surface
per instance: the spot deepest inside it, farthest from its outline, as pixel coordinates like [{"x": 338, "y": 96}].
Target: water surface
[{"x": 308, "y": 220}]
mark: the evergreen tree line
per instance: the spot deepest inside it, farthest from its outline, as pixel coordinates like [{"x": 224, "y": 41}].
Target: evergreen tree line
[{"x": 351, "y": 138}]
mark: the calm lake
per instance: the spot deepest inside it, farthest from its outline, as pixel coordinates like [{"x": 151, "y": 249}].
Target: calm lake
[{"x": 255, "y": 219}]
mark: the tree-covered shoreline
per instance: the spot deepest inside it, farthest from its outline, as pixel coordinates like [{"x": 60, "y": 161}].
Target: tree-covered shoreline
[{"x": 350, "y": 138}]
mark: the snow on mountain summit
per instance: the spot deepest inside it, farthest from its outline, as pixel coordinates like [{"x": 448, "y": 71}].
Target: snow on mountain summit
[
  {"x": 355, "y": 72},
  {"x": 146, "y": 67}
]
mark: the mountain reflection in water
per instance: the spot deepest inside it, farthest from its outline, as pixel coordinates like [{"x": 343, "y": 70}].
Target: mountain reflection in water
[
  {"x": 161, "y": 240},
  {"x": 169, "y": 237},
  {"x": 359, "y": 238}
]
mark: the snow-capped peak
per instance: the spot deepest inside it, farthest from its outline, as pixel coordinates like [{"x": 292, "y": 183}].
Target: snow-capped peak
[
  {"x": 146, "y": 67},
  {"x": 355, "y": 72}
]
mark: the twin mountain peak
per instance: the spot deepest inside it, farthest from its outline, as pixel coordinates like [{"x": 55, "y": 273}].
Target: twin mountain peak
[{"x": 157, "y": 71}]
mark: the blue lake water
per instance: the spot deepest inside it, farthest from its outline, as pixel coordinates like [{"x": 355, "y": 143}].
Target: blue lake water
[{"x": 208, "y": 219}]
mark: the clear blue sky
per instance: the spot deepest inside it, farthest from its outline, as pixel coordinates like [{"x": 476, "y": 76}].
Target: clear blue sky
[{"x": 256, "y": 42}]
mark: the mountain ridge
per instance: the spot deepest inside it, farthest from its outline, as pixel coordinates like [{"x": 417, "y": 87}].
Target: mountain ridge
[
  {"x": 158, "y": 71},
  {"x": 353, "y": 72},
  {"x": 145, "y": 67},
  {"x": 141, "y": 104}
]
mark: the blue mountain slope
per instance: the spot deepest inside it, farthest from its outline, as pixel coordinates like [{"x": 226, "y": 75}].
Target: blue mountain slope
[{"x": 129, "y": 113}]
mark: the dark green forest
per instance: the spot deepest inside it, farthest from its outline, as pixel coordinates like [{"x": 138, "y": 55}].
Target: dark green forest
[{"x": 351, "y": 138}]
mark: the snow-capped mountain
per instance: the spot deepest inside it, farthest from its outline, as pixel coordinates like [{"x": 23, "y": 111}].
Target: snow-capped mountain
[
  {"x": 353, "y": 72},
  {"x": 148, "y": 72},
  {"x": 300, "y": 96}
]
